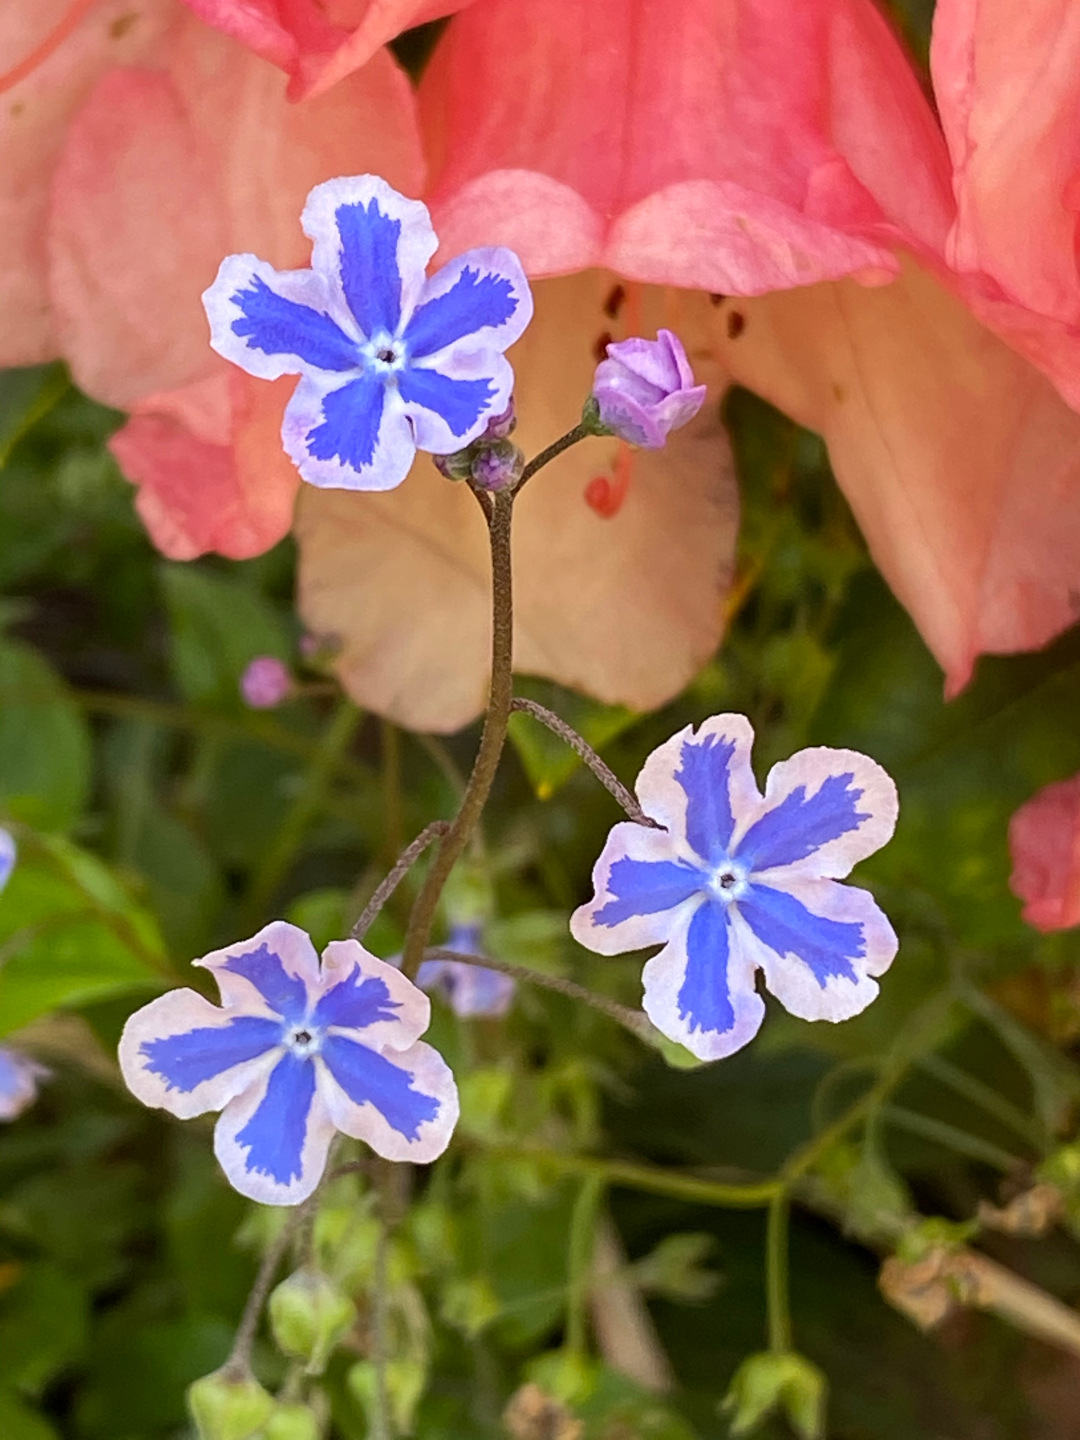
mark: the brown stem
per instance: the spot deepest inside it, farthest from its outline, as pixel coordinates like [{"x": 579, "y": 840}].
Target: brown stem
[
  {"x": 404, "y": 863},
  {"x": 607, "y": 777},
  {"x": 499, "y": 512}
]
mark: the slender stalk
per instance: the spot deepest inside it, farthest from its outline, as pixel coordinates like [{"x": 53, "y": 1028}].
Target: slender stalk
[
  {"x": 978, "y": 1093},
  {"x": 632, "y": 1020},
  {"x": 556, "y": 448},
  {"x": 650, "y": 1179},
  {"x": 579, "y": 1261},
  {"x": 953, "y": 1138},
  {"x": 381, "y": 1423},
  {"x": 404, "y": 863},
  {"x": 499, "y": 515},
  {"x": 238, "y": 1365},
  {"x": 776, "y": 1273},
  {"x": 607, "y": 777}
]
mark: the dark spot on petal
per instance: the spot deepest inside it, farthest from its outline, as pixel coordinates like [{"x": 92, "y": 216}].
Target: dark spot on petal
[
  {"x": 17, "y": 109},
  {"x": 599, "y": 349},
  {"x": 122, "y": 24},
  {"x": 715, "y": 299},
  {"x": 736, "y": 324},
  {"x": 839, "y": 392},
  {"x": 614, "y": 301}
]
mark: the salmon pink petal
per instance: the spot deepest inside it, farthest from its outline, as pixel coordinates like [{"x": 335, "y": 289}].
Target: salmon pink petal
[
  {"x": 317, "y": 44},
  {"x": 166, "y": 170},
  {"x": 625, "y": 605},
  {"x": 1044, "y": 839},
  {"x": 208, "y": 462},
  {"x": 960, "y": 461},
  {"x": 760, "y": 145},
  {"x": 37, "y": 109}
]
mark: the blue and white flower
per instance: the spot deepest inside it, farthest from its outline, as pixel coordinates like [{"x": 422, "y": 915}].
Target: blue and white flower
[
  {"x": 19, "y": 1077},
  {"x": 7, "y": 856},
  {"x": 469, "y": 990},
  {"x": 738, "y": 882},
  {"x": 390, "y": 361},
  {"x": 295, "y": 1052}
]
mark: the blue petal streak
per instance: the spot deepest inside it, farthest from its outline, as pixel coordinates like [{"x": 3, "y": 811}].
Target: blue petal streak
[
  {"x": 459, "y": 402},
  {"x": 786, "y": 926},
  {"x": 185, "y": 1061},
  {"x": 645, "y": 887},
  {"x": 277, "y": 326},
  {"x": 368, "y": 1078},
  {"x": 369, "y": 266},
  {"x": 274, "y": 1136},
  {"x": 352, "y": 419},
  {"x": 705, "y": 1000},
  {"x": 704, "y": 774},
  {"x": 355, "y": 1002},
  {"x": 800, "y": 825},
  {"x": 476, "y": 300},
  {"x": 284, "y": 993}
]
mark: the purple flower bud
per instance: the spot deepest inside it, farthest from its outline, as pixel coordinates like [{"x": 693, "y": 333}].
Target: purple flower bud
[
  {"x": 497, "y": 466},
  {"x": 265, "y": 683},
  {"x": 457, "y": 466},
  {"x": 645, "y": 388},
  {"x": 501, "y": 426}
]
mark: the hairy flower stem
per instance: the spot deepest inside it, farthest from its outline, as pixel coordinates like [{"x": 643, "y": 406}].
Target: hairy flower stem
[
  {"x": 579, "y": 432},
  {"x": 499, "y": 513},
  {"x": 404, "y": 863},
  {"x": 238, "y": 1365}
]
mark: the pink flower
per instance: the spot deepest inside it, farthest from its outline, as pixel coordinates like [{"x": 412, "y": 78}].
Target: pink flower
[
  {"x": 788, "y": 155},
  {"x": 265, "y": 683},
  {"x": 644, "y": 389},
  {"x": 141, "y": 149},
  {"x": 1044, "y": 839}
]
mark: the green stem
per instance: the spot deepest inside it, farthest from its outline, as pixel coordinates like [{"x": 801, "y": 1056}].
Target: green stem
[
  {"x": 978, "y": 1093},
  {"x": 281, "y": 851},
  {"x": 238, "y": 1365},
  {"x": 556, "y": 448},
  {"x": 381, "y": 1423},
  {"x": 953, "y": 1138},
  {"x": 776, "y": 1273},
  {"x": 499, "y": 518},
  {"x": 579, "y": 1264}
]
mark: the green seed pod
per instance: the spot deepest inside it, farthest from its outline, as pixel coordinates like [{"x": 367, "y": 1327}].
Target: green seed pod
[
  {"x": 769, "y": 1381},
  {"x": 309, "y": 1315},
  {"x": 291, "y": 1422},
  {"x": 227, "y": 1409}
]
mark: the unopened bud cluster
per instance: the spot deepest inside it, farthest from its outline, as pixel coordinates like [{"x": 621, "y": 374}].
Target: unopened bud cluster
[{"x": 491, "y": 463}]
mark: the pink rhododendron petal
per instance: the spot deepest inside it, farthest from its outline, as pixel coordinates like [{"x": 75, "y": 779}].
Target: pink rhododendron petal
[
  {"x": 734, "y": 143},
  {"x": 209, "y": 464},
  {"x": 318, "y": 44},
  {"x": 37, "y": 110},
  {"x": 1044, "y": 840},
  {"x": 625, "y": 608},
  {"x": 960, "y": 461},
  {"x": 165, "y": 170}
]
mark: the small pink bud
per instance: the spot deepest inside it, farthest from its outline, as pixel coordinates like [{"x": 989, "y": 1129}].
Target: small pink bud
[{"x": 265, "y": 683}]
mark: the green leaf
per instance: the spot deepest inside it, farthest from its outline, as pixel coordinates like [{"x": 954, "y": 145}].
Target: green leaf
[
  {"x": 44, "y": 741},
  {"x": 219, "y": 623},
  {"x": 69, "y": 934},
  {"x": 19, "y": 1422},
  {"x": 549, "y": 762},
  {"x": 27, "y": 396},
  {"x": 43, "y": 1319}
]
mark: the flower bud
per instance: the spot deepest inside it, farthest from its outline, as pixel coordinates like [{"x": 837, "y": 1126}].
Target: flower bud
[
  {"x": 291, "y": 1422},
  {"x": 500, "y": 426},
  {"x": 767, "y": 1381},
  {"x": 644, "y": 389},
  {"x": 497, "y": 466},
  {"x": 265, "y": 683},
  {"x": 457, "y": 466},
  {"x": 228, "y": 1409},
  {"x": 309, "y": 1315}
]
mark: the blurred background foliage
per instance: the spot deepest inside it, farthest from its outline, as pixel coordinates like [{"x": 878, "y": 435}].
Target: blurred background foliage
[{"x": 158, "y": 817}]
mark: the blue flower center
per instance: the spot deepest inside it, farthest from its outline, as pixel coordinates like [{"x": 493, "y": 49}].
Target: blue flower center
[{"x": 726, "y": 881}]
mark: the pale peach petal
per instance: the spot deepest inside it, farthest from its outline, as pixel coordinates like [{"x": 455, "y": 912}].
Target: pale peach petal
[
  {"x": 1044, "y": 840},
  {"x": 166, "y": 170},
  {"x": 36, "y": 112},
  {"x": 960, "y": 461},
  {"x": 209, "y": 466},
  {"x": 623, "y": 600},
  {"x": 754, "y": 143}
]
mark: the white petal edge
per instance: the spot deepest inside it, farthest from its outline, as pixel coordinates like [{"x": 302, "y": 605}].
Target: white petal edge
[
  {"x": 394, "y": 452},
  {"x": 232, "y": 1156},
  {"x": 288, "y": 942},
  {"x": 431, "y": 1075},
  {"x": 634, "y": 842},
  {"x": 413, "y": 1016},
  {"x": 432, "y": 432}
]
